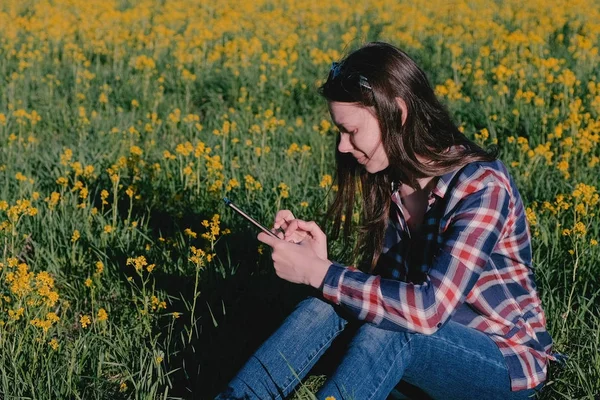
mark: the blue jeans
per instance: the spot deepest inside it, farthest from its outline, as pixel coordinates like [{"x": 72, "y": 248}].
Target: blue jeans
[{"x": 456, "y": 362}]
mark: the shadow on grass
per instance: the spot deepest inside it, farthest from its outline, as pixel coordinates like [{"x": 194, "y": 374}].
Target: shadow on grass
[{"x": 241, "y": 302}]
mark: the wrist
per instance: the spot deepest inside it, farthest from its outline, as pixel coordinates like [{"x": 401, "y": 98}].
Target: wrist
[{"x": 319, "y": 270}]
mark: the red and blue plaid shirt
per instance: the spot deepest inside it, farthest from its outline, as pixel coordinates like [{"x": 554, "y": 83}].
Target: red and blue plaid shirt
[{"x": 469, "y": 262}]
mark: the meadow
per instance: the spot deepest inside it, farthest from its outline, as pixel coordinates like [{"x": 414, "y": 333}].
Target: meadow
[{"x": 124, "y": 123}]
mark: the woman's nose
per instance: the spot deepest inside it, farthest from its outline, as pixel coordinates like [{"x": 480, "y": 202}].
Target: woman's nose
[{"x": 344, "y": 146}]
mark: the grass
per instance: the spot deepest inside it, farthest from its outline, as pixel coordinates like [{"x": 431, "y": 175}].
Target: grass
[{"x": 123, "y": 124}]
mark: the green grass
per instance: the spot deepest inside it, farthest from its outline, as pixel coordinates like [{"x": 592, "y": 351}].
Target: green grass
[{"x": 521, "y": 76}]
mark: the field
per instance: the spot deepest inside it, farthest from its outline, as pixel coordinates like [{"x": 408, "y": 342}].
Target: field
[{"x": 123, "y": 124}]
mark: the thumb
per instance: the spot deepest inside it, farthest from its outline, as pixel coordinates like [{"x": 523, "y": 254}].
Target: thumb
[{"x": 267, "y": 239}]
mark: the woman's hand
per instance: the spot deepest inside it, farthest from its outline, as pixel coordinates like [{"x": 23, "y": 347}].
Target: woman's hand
[
  {"x": 299, "y": 231},
  {"x": 296, "y": 262}
]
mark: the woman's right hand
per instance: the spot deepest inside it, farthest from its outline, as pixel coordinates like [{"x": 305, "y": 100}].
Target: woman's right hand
[{"x": 299, "y": 231}]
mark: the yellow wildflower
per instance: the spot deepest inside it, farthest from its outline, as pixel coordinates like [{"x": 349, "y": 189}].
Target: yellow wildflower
[
  {"x": 53, "y": 344},
  {"x": 136, "y": 151},
  {"x": 85, "y": 320},
  {"x": 326, "y": 181},
  {"x": 99, "y": 267},
  {"x": 102, "y": 315}
]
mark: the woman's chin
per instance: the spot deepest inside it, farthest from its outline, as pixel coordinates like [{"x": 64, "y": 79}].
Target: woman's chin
[{"x": 373, "y": 168}]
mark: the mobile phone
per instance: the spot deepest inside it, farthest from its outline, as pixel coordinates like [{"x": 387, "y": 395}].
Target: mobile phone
[{"x": 249, "y": 218}]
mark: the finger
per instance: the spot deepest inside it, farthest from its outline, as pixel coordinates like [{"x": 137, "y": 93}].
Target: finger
[
  {"x": 282, "y": 218},
  {"x": 293, "y": 233},
  {"x": 312, "y": 228},
  {"x": 267, "y": 239},
  {"x": 292, "y": 227},
  {"x": 279, "y": 233}
]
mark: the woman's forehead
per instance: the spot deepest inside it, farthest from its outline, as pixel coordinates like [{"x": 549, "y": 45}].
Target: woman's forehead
[{"x": 346, "y": 114}]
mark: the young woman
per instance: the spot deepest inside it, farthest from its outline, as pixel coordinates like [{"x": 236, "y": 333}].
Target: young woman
[{"x": 448, "y": 301}]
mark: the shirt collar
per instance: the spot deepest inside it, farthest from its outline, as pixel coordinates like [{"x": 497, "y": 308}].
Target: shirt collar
[{"x": 443, "y": 182}]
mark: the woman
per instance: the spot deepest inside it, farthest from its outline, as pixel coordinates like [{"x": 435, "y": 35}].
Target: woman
[{"x": 448, "y": 303}]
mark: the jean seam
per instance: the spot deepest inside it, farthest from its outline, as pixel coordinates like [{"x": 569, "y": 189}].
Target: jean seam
[
  {"x": 301, "y": 370},
  {"x": 410, "y": 338}
]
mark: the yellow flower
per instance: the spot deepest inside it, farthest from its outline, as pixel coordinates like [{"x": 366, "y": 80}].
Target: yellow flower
[
  {"x": 88, "y": 282},
  {"x": 136, "y": 151},
  {"x": 99, "y": 267},
  {"x": 16, "y": 314},
  {"x": 190, "y": 233},
  {"x": 104, "y": 196},
  {"x": 531, "y": 217},
  {"x": 52, "y": 317},
  {"x": 108, "y": 229},
  {"x": 326, "y": 181},
  {"x": 304, "y": 204},
  {"x": 122, "y": 387},
  {"x": 54, "y": 344},
  {"x": 158, "y": 359},
  {"x": 102, "y": 315},
  {"x": 579, "y": 229},
  {"x": 284, "y": 190},
  {"x": 62, "y": 181},
  {"x": 75, "y": 237},
  {"x": 85, "y": 320}
]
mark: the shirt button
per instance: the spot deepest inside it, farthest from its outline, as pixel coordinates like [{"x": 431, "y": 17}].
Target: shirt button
[{"x": 439, "y": 325}]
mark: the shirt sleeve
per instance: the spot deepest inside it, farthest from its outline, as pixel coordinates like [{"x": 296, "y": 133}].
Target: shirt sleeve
[{"x": 470, "y": 232}]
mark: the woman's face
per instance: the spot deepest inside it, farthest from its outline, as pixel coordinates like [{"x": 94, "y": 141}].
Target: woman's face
[{"x": 360, "y": 135}]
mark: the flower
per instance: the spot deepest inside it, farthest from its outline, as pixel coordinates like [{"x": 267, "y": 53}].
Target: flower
[
  {"x": 99, "y": 267},
  {"x": 85, "y": 320},
  {"x": 53, "y": 343},
  {"x": 138, "y": 263},
  {"x": 190, "y": 233},
  {"x": 326, "y": 181},
  {"x": 102, "y": 315}
]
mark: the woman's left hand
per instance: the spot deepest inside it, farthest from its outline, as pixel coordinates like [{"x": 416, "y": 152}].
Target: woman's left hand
[{"x": 297, "y": 263}]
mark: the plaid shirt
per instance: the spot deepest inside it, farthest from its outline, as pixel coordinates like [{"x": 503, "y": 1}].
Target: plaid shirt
[{"x": 470, "y": 262}]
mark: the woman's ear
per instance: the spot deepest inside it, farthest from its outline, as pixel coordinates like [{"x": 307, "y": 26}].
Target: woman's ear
[{"x": 403, "y": 108}]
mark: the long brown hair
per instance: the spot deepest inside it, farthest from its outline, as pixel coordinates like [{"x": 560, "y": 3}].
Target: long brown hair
[{"x": 374, "y": 76}]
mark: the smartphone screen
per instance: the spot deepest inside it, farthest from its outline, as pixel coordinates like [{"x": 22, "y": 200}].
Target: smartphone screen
[{"x": 249, "y": 218}]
